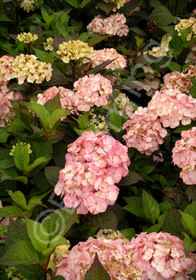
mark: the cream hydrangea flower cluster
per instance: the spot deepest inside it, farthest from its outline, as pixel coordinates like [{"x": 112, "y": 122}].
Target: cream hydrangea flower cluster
[
  {"x": 184, "y": 156},
  {"x": 113, "y": 25},
  {"x": 73, "y": 50},
  {"x": 184, "y": 24},
  {"x": 27, "y": 5},
  {"x": 98, "y": 57},
  {"x": 163, "y": 49},
  {"x": 99, "y": 123},
  {"x": 144, "y": 131},
  {"x": 30, "y": 68},
  {"x": 123, "y": 105},
  {"x": 153, "y": 256},
  {"x": 94, "y": 163},
  {"x": 27, "y": 38},
  {"x": 6, "y": 99},
  {"x": 118, "y": 3},
  {"x": 48, "y": 45},
  {"x": 114, "y": 255},
  {"x": 6, "y": 69}
]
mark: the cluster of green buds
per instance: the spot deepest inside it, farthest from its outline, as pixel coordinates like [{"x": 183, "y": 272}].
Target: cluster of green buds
[
  {"x": 12, "y": 273},
  {"x": 99, "y": 122},
  {"x": 26, "y": 145}
]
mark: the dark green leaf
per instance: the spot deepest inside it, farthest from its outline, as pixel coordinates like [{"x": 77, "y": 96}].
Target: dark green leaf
[
  {"x": 134, "y": 206},
  {"x": 176, "y": 45},
  {"x": 132, "y": 178},
  {"x": 52, "y": 174},
  {"x": 31, "y": 272},
  {"x": 6, "y": 163},
  {"x": 128, "y": 232},
  {"x": 193, "y": 88},
  {"x": 189, "y": 245},
  {"x": 96, "y": 271},
  {"x": 44, "y": 56},
  {"x": 57, "y": 115},
  {"x": 109, "y": 219},
  {"x": 74, "y": 3},
  {"x": 38, "y": 235},
  {"x": 150, "y": 206},
  {"x": 21, "y": 252},
  {"x": 3, "y": 228},
  {"x": 115, "y": 120},
  {"x": 16, "y": 232},
  {"x": 162, "y": 16},
  {"x": 3, "y": 135},
  {"x": 165, "y": 205},
  {"x": 173, "y": 66},
  {"x": 84, "y": 3},
  {"x": 3, "y": 17},
  {"x": 172, "y": 223}
]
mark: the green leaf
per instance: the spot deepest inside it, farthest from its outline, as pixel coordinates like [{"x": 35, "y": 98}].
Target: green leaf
[
  {"x": 131, "y": 179},
  {"x": 138, "y": 31},
  {"x": 3, "y": 135},
  {"x": 84, "y": 3},
  {"x": 21, "y": 252},
  {"x": 6, "y": 163},
  {"x": 189, "y": 223},
  {"x": 128, "y": 232},
  {"x": 191, "y": 192},
  {"x": 115, "y": 120},
  {"x": 57, "y": 240},
  {"x": 3, "y": 17},
  {"x": 53, "y": 104},
  {"x": 16, "y": 232},
  {"x": 176, "y": 45},
  {"x": 21, "y": 157},
  {"x": 59, "y": 222},
  {"x": 52, "y": 174},
  {"x": 96, "y": 271},
  {"x": 134, "y": 206},
  {"x": 109, "y": 219},
  {"x": 36, "y": 163},
  {"x": 41, "y": 112},
  {"x": 191, "y": 209},
  {"x": 165, "y": 205},
  {"x": 19, "y": 198},
  {"x": 172, "y": 223},
  {"x": 57, "y": 115},
  {"x": 38, "y": 235},
  {"x": 58, "y": 278},
  {"x": 73, "y": 3},
  {"x": 3, "y": 228},
  {"x": 193, "y": 88},
  {"x": 162, "y": 16},
  {"x": 189, "y": 245},
  {"x": 150, "y": 206},
  {"x": 173, "y": 66},
  {"x": 31, "y": 272},
  {"x": 11, "y": 211},
  {"x": 44, "y": 56}
]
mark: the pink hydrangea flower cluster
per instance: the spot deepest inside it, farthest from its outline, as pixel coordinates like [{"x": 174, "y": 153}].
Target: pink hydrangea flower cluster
[
  {"x": 184, "y": 156},
  {"x": 172, "y": 107},
  {"x": 6, "y": 99},
  {"x": 98, "y": 57},
  {"x": 6, "y": 69},
  {"x": 94, "y": 163},
  {"x": 66, "y": 96},
  {"x": 113, "y": 25},
  {"x": 154, "y": 256},
  {"x": 144, "y": 131},
  {"x": 89, "y": 91},
  {"x": 162, "y": 256},
  {"x": 177, "y": 80},
  {"x": 114, "y": 255},
  {"x": 92, "y": 90}
]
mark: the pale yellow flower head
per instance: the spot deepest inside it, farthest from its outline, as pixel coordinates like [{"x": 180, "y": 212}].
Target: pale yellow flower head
[
  {"x": 73, "y": 50},
  {"x": 27, "y": 37},
  {"x": 26, "y": 145},
  {"x": 48, "y": 45},
  {"x": 99, "y": 123},
  {"x": 163, "y": 49},
  {"x": 118, "y": 3},
  {"x": 27, "y": 5},
  {"x": 184, "y": 24},
  {"x": 30, "y": 68}
]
